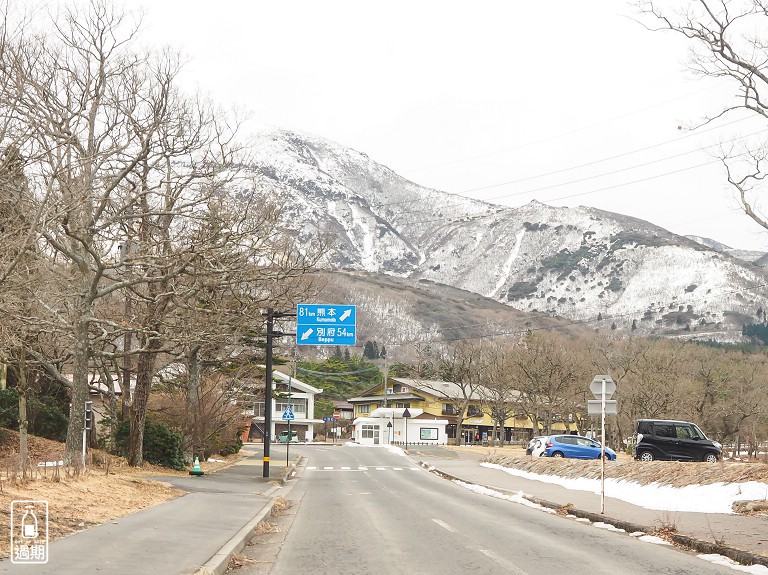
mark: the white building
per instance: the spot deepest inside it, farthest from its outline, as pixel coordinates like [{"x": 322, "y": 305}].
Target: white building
[
  {"x": 288, "y": 391},
  {"x": 387, "y": 426}
]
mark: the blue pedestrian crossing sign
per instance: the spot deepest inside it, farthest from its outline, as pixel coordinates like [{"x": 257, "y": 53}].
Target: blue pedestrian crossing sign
[
  {"x": 326, "y": 324},
  {"x": 288, "y": 414}
]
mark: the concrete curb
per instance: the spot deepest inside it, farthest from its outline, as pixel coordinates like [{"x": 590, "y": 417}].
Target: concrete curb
[
  {"x": 219, "y": 563},
  {"x": 740, "y": 556}
]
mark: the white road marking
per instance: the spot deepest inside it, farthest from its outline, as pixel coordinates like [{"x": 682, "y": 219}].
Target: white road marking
[
  {"x": 314, "y": 468},
  {"x": 511, "y": 567},
  {"x": 444, "y": 525}
]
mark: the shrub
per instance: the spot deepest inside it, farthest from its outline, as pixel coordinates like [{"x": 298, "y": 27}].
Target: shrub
[{"x": 162, "y": 445}]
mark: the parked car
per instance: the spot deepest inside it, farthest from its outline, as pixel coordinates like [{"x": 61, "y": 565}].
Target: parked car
[
  {"x": 537, "y": 445},
  {"x": 678, "y": 440},
  {"x": 577, "y": 447},
  {"x": 283, "y": 437}
]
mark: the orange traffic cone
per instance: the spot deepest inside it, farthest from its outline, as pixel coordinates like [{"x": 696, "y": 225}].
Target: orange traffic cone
[{"x": 196, "y": 468}]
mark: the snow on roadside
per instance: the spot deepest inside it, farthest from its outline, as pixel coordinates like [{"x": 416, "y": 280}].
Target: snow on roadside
[{"x": 713, "y": 498}]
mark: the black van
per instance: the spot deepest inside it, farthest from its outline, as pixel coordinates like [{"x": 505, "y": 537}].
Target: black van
[{"x": 679, "y": 440}]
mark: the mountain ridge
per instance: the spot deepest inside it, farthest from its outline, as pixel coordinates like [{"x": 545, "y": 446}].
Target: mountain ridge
[{"x": 578, "y": 263}]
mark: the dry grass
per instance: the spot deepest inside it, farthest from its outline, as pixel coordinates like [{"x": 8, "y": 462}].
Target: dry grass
[
  {"x": 239, "y": 560},
  {"x": 266, "y": 527},
  {"x": 281, "y": 506}
]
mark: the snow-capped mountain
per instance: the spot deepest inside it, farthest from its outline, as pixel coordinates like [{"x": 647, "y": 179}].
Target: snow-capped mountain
[
  {"x": 746, "y": 255},
  {"x": 610, "y": 270}
]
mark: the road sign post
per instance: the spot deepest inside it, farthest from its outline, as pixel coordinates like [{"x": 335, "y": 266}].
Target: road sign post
[
  {"x": 288, "y": 416},
  {"x": 603, "y": 388}
]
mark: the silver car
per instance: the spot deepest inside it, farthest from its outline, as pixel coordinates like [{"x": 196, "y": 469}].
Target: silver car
[{"x": 537, "y": 446}]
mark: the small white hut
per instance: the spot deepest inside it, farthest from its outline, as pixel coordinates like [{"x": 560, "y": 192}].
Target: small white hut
[{"x": 400, "y": 426}]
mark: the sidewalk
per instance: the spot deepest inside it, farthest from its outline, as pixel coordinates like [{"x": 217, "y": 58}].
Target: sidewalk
[
  {"x": 193, "y": 533},
  {"x": 743, "y": 538}
]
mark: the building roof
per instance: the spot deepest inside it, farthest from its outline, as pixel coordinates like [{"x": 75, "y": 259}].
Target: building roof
[
  {"x": 446, "y": 389},
  {"x": 342, "y": 404},
  {"x": 298, "y": 384}
]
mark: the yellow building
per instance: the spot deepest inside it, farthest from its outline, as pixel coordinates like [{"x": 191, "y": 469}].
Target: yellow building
[{"x": 444, "y": 399}]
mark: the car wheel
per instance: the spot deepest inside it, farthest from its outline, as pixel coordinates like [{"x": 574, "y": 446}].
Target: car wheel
[
  {"x": 646, "y": 456},
  {"x": 710, "y": 458},
  {"x": 557, "y": 454}
]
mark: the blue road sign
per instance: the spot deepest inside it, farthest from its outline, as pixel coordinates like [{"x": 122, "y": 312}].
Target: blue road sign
[
  {"x": 288, "y": 414},
  {"x": 326, "y": 324}
]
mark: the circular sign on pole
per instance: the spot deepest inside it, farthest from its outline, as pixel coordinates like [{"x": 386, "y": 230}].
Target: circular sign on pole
[{"x": 336, "y": 414}]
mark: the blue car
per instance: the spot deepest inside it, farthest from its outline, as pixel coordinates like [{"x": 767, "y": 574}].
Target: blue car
[{"x": 576, "y": 447}]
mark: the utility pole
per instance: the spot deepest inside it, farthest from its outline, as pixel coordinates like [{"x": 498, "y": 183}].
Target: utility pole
[
  {"x": 268, "y": 393},
  {"x": 271, "y": 334}
]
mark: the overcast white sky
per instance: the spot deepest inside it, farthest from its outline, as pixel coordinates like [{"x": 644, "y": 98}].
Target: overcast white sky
[{"x": 485, "y": 99}]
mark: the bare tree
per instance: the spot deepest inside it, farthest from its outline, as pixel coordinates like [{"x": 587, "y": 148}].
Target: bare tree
[
  {"x": 728, "y": 40},
  {"x": 543, "y": 366},
  {"x": 460, "y": 364},
  {"x": 499, "y": 391},
  {"x": 111, "y": 142}
]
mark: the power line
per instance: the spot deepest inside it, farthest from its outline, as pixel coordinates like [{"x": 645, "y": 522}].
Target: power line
[{"x": 564, "y": 134}]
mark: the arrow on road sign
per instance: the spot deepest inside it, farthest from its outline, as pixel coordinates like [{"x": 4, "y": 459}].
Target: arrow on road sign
[{"x": 307, "y": 333}]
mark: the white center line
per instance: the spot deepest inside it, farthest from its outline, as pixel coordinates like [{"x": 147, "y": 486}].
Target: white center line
[
  {"x": 327, "y": 467},
  {"x": 311, "y": 468},
  {"x": 379, "y": 469},
  {"x": 510, "y": 567},
  {"x": 444, "y": 525},
  {"x": 397, "y": 468},
  {"x": 363, "y": 468},
  {"x": 346, "y": 468}
]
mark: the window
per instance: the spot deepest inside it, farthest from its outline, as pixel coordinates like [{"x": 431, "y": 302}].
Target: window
[
  {"x": 449, "y": 409},
  {"x": 365, "y": 408},
  {"x": 401, "y": 405},
  {"x": 368, "y": 431},
  {"x": 664, "y": 430},
  {"x": 474, "y": 411},
  {"x": 684, "y": 432},
  {"x": 298, "y": 405},
  {"x": 645, "y": 427}
]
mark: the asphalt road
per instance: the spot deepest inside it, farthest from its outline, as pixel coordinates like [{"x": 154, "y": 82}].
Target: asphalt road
[{"x": 367, "y": 510}]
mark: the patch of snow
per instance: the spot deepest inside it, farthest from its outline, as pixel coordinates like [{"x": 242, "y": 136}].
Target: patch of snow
[
  {"x": 725, "y": 561},
  {"x": 653, "y": 539},
  {"x": 712, "y": 498},
  {"x": 507, "y": 267}
]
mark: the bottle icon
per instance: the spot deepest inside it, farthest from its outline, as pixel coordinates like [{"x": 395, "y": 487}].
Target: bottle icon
[{"x": 29, "y": 523}]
